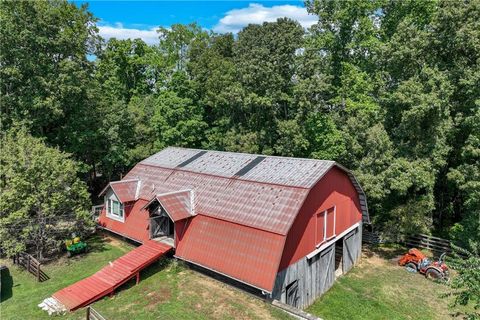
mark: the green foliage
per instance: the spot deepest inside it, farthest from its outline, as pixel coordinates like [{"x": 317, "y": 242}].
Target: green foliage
[
  {"x": 466, "y": 284},
  {"x": 175, "y": 43},
  {"x": 42, "y": 199},
  {"x": 123, "y": 69},
  {"x": 176, "y": 121},
  {"x": 43, "y": 55},
  {"x": 326, "y": 141},
  {"x": 387, "y": 88}
]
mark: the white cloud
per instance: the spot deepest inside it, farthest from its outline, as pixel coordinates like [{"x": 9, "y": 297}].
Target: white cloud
[
  {"x": 150, "y": 36},
  {"x": 236, "y": 19}
]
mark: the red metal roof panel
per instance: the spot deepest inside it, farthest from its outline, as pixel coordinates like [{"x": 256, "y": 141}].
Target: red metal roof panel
[
  {"x": 263, "y": 206},
  {"x": 125, "y": 190},
  {"x": 177, "y": 204},
  {"x": 245, "y": 254}
]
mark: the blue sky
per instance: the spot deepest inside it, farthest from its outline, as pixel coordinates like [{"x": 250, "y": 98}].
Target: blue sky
[{"x": 139, "y": 19}]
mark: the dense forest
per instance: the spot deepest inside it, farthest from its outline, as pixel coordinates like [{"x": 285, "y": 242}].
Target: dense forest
[{"x": 389, "y": 89}]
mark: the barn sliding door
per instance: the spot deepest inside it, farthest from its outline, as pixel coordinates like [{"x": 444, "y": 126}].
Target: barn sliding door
[
  {"x": 326, "y": 270},
  {"x": 351, "y": 249}
]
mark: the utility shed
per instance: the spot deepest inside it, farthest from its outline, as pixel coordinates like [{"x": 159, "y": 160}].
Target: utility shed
[{"x": 285, "y": 226}]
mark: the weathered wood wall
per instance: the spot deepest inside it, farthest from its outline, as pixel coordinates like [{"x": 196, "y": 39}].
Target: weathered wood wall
[
  {"x": 351, "y": 249},
  {"x": 316, "y": 275}
]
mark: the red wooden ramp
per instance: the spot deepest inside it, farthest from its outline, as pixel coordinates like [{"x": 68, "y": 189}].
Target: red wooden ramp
[{"x": 105, "y": 281}]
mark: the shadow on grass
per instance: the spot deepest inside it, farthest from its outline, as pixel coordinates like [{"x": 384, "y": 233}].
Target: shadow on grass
[
  {"x": 146, "y": 273},
  {"x": 6, "y": 285},
  {"x": 95, "y": 243}
]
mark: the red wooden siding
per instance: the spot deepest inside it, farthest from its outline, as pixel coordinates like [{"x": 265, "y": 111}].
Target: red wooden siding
[
  {"x": 136, "y": 221},
  {"x": 319, "y": 228},
  {"x": 180, "y": 228},
  {"x": 334, "y": 190}
]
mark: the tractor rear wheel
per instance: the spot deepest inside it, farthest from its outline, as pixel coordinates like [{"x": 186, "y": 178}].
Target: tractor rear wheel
[
  {"x": 433, "y": 274},
  {"x": 411, "y": 267}
]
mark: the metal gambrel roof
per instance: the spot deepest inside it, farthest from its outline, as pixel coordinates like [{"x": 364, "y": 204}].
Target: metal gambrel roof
[
  {"x": 263, "y": 192},
  {"x": 244, "y": 205},
  {"x": 294, "y": 172},
  {"x": 268, "y": 207}
]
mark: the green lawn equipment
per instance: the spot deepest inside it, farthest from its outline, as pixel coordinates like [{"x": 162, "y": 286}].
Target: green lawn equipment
[{"x": 75, "y": 245}]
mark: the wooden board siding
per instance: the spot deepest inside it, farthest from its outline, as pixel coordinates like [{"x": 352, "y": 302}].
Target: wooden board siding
[
  {"x": 136, "y": 225},
  {"x": 351, "y": 249},
  {"x": 316, "y": 275}
]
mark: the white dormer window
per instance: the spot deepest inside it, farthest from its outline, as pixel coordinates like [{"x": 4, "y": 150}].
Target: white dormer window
[{"x": 115, "y": 210}]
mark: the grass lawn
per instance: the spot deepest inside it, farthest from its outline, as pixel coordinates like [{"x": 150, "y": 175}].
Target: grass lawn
[
  {"x": 167, "y": 290},
  {"x": 379, "y": 289}
]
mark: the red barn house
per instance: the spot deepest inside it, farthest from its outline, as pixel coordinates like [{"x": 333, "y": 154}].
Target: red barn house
[{"x": 285, "y": 226}]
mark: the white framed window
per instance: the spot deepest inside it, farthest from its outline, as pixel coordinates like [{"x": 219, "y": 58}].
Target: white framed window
[
  {"x": 325, "y": 225},
  {"x": 115, "y": 210},
  {"x": 320, "y": 227},
  {"x": 330, "y": 222}
]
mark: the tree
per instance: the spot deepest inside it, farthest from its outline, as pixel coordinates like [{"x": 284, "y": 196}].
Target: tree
[
  {"x": 175, "y": 43},
  {"x": 46, "y": 80},
  {"x": 45, "y": 72},
  {"x": 42, "y": 200},
  {"x": 122, "y": 69},
  {"x": 264, "y": 67},
  {"x": 176, "y": 122},
  {"x": 465, "y": 286}
]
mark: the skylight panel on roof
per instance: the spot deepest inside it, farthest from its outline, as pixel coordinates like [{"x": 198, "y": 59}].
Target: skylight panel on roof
[{"x": 249, "y": 166}]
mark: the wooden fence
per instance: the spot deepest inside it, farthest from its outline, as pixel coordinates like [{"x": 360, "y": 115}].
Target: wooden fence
[
  {"x": 371, "y": 237},
  {"x": 434, "y": 244},
  {"x": 31, "y": 265},
  {"x": 422, "y": 241},
  {"x": 96, "y": 210},
  {"x": 93, "y": 314}
]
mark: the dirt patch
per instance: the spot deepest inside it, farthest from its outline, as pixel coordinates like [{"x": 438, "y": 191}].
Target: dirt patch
[
  {"x": 374, "y": 260},
  {"x": 158, "y": 296},
  {"x": 113, "y": 241},
  {"x": 126, "y": 307}
]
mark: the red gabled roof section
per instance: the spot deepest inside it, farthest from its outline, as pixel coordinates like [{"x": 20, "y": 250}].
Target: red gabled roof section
[
  {"x": 177, "y": 204},
  {"x": 126, "y": 190},
  {"x": 246, "y": 254},
  {"x": 268, "y": 207}
]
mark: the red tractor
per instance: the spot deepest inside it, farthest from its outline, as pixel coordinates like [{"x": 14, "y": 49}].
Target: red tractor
[{"x": 416, "y": 261}]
